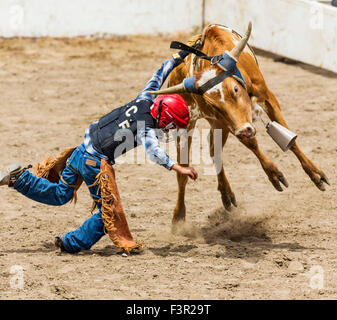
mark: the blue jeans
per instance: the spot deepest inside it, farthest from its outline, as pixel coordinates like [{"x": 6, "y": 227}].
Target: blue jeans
[{"x": 44, "y": 191}]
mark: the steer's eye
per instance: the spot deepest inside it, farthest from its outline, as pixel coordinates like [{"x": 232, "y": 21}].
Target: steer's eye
[{"x": 236, "y": 89}]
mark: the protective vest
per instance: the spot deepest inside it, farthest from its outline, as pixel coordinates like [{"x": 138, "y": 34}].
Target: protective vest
[{"x": 115, "y": 133}]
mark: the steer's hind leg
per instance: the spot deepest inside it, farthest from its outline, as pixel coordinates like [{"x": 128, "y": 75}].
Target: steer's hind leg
[
  {"x": 227, "y": 195},
  {"x": 316, "y": 175}
]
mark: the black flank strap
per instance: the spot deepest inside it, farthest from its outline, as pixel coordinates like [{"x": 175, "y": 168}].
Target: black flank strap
[
  {"x": 198, "y": 53},
  {"x": 185, "y": 47}
]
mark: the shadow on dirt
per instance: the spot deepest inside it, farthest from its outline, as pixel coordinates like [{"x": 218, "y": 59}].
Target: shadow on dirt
[
  {"x": 170, "y": 249},
  {"x": 243, "y": 236},
  {"x": 108, "y": 251},
  {"x": 50, "y": 247},
  {"x": 46, "y": 247}
]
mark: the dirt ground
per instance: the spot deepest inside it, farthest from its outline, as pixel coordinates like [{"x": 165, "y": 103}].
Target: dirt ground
[{"x": 272, "y": 246}]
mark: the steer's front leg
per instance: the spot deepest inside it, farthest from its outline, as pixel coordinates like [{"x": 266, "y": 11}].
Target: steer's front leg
[
  {"x": 183, "y": 157},
  {"x": 316, "y": 175},
  {"x": 275, "y": 176},
  {"x": 227, "y": 195},
  {"x": 179, "y": 212}
]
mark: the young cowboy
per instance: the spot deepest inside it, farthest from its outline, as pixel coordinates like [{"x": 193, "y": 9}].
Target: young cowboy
[{"x": 104, "y": 141}]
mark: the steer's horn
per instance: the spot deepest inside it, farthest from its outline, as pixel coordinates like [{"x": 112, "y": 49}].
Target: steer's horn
[
  {"x": 237, "y": 50},
  {"x": 179, "y": 88}
]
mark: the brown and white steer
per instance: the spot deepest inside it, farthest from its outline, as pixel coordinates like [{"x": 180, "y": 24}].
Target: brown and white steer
[{"x": 230, "y": 107}]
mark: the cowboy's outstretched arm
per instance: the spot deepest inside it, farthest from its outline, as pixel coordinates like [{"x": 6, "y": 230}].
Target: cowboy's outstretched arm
[
  {"x": 160, "y": 75},
  {"x": 153, "y": 149},
  {"x": 157, "y": 154}
]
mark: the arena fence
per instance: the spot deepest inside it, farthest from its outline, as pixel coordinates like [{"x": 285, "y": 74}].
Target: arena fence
[{"x": 303, "y": 30}]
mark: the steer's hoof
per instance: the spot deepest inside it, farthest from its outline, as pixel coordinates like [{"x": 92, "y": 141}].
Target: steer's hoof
[
  {"x": 277, "y": 180},
  {"x": 177, "y": 225},
  {"x": 319, "y": 180},
  {"x": 228, "y": 199},
  {"x": 317, "y": 176}
]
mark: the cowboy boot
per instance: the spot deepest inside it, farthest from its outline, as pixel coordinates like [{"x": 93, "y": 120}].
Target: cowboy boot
[
  {"x": 12, "y": 174},
  {"x": 59, "y": 244}
]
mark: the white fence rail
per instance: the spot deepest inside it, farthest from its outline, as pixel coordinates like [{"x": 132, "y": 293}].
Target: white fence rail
[
  {"x": 303, "y": 30},
  {"x": 298, "y": 29},
  {"x": 68, "y": 18}
]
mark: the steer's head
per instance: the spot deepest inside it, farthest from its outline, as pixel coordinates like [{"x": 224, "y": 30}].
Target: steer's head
[
  {"x": 229, "y": 102},
  {"x": 227, "y": 97}
]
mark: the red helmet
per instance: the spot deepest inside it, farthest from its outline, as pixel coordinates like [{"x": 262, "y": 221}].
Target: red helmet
[{"x": 173, "y": 111}]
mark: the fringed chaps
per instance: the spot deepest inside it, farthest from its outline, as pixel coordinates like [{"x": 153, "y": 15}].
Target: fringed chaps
[
  {"x": 51, "y": 169},
  {"x": 113, "y": 215}
]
